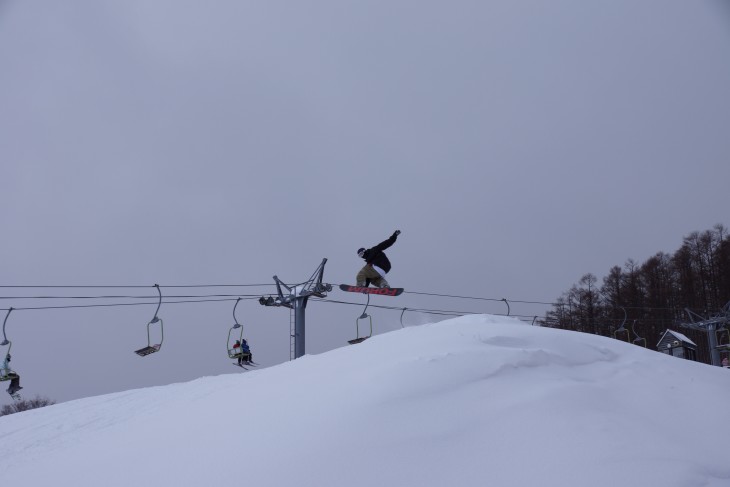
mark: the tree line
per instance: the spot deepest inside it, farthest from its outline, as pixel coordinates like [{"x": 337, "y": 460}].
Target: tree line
[
  {"x": 25, "y": 405},
  {"x": 650, "y": 297}
]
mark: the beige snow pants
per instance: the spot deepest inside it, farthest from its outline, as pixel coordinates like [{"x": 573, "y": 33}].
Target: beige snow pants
[{"x": 368, "y": 274}]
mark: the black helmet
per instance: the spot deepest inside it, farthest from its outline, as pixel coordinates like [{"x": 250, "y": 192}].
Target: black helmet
[{"x": 360, "y": 251}]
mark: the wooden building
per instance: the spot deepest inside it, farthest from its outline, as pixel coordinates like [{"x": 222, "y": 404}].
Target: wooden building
[{"x": 677, "y": 345}]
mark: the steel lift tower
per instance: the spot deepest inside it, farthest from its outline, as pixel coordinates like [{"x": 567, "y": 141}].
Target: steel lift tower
[
  {"x": 717, "y": 328},
  {"x": 297, "y": 300}
]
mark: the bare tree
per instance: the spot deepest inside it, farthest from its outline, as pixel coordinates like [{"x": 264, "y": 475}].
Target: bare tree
[
  {"x": 651, "y": 297},
  {"x": 25, "y": 404}
]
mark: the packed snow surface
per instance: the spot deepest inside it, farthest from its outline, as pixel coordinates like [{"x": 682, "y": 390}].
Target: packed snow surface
[{"x": 472, "y": 401}]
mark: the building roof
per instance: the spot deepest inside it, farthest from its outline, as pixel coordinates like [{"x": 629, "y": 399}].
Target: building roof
[{"x": 678, "y": 336}]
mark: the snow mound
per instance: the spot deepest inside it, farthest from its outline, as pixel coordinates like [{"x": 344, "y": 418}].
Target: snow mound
[{"x": 472, "y": 401}]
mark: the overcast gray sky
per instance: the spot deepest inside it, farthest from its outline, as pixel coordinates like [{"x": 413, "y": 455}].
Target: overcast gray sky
[{"x": 517, "y": 145}]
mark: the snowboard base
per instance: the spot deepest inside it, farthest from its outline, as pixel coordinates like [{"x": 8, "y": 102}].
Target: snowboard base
[{"x": 381, "y": 291}]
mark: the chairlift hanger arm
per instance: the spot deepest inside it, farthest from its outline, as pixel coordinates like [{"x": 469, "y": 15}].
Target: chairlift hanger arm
[
  {"x": 621, "y": 326},
  {"x": 159, "y": 303},
  {"x": 5, "y": 337},
  {"x": 364, "y": 314},
  {"x": 234, "y": 311},
  {"x": 507, "y": 303}
]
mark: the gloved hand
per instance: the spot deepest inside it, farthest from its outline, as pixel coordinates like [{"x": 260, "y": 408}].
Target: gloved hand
[{"x": 396, "y": 233}]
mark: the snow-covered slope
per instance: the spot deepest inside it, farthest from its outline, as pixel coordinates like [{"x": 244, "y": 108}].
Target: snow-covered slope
[{"x": 471, "y": 401}]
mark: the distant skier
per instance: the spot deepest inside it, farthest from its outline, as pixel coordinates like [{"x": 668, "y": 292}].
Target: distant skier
[{"x": 376, "y": 265}]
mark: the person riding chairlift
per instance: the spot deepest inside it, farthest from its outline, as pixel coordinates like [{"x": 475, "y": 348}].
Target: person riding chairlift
[
  {"x": 6, "y": 373},
  {"x": 243, "y": 351}
]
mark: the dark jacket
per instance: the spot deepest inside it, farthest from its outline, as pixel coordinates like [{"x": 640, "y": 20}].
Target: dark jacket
[{"x": 375, "y": 256}]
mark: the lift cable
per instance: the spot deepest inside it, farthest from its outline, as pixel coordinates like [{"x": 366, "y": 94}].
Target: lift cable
[
  {"x": 455, "y": 296},
  {"x": 419, "y": 310},
  {"x": 134, "y": 297},
  {"x": 111, "y": 305},
  {"x": 128, "y": 286},
  {"x": 195, "y": 298}
]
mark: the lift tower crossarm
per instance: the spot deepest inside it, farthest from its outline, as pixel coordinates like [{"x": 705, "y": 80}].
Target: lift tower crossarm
[{"x": 297, "y": 300}]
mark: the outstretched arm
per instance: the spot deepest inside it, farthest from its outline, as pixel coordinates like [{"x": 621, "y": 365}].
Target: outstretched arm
[{"x": 387, "y": 243}]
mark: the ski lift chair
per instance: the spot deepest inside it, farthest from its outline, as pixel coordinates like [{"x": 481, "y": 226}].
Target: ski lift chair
[
  {"x": 144, "y": 351},
  {"x": 236, "y": 352},
  {"x": 638, "y": 340},
  {"x": 150, "y": 348},
  {"x": 6, "y": 373},
  {"x": 364, "y": 315},
  {"x": 723, "y": 338},
  {"x": 621, "y": 332},
  {"x": 14, "y": 378},
  {"x": 723, "y": 345},
  {"x": 357, "y": 328}
]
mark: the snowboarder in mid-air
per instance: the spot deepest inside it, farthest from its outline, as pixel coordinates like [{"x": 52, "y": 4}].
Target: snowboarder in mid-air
[{"x": 376, "y": 265}]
